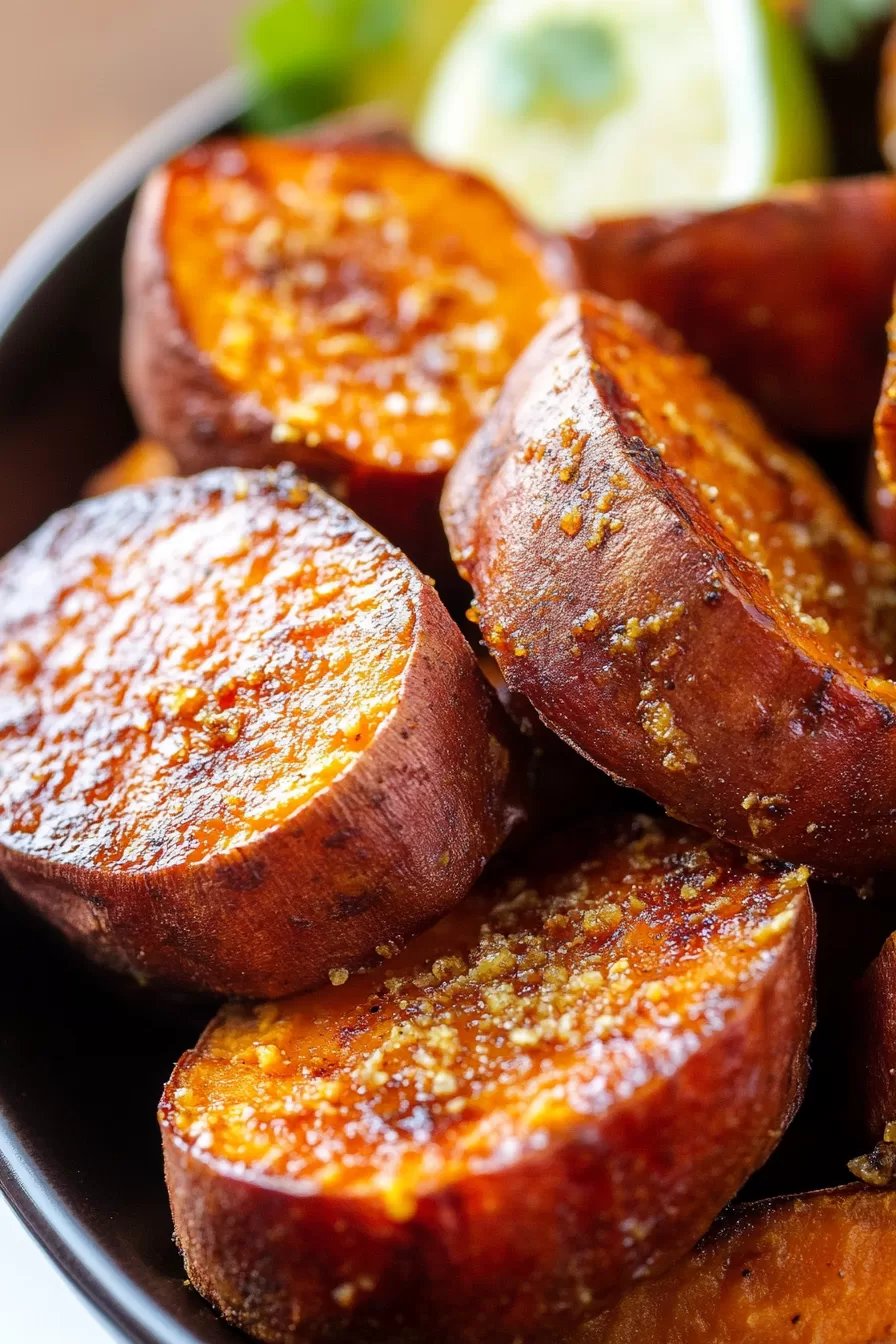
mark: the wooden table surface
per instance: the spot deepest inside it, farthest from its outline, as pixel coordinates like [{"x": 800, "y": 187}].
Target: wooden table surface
[{"x": 78, "y": 77}]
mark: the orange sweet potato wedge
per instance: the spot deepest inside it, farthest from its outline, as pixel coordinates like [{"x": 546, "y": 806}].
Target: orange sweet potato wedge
[
  {"x": 788, "y": 296},
  {"x": 350, "y": 307},
  {"x": 243, "y": 742},
  {"x": 680, "y": 595},
  {"x": 145, "y": 461},
  {"x": 811, "y": 1269},
  {"x": 551, "y": 1091}
]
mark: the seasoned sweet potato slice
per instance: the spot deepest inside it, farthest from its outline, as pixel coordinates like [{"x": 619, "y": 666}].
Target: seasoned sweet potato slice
[
  {"x": 353, "y": 309},
  {"x": 552, "y": 1090},
  {"x": 145, "y": 461},
  {"x": 788, "y": 296},
  {"x": 242, "y": 742},
  {"x": 680, "y": 595},
  {"x": 812, "y": 1269}
]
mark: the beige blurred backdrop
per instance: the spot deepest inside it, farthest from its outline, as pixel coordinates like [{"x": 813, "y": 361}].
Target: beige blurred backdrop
[{"x": 78, "y": 77}]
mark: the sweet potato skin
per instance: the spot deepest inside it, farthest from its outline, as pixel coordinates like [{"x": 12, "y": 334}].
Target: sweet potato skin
[
  {"x": 777, "y": 749},
  {"x": 381, "y": 850},
  {"x": 875, "y": 1024},
  {"x": 788, "y": 296},
  {"x": 179, "y": 398},
  {"x": 520, "y": 1247},
  {"x": 815, "y": 1269}
]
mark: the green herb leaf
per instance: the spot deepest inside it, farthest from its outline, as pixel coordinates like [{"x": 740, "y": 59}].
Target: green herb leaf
[
  {"x": 836, "y": 26},
  {"x": 559, "y": 68},
  {"x": 301, "y": 54}
]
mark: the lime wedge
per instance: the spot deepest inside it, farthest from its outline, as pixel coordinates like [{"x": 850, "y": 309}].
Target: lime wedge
[
  {"x": 579, "y": 108},
  {"x": 402, "y": 75}
]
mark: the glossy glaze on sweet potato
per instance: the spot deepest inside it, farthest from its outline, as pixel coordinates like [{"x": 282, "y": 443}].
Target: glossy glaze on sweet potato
[
  {"x": 551, "y": 1091},
  {"x": 788, "y": 296},
  {"x": 145, "y": 461},
  {"x": 680, "y": 595},
  {"x": 811, "y": 1269},
  {"x": 352, "y": 308},
  {"x": 242, "y": 742}
]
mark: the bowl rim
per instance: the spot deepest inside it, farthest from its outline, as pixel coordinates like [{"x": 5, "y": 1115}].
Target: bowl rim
[
  {"x": 208, "y": 108},
  {"x": 123, "y": 1304}
]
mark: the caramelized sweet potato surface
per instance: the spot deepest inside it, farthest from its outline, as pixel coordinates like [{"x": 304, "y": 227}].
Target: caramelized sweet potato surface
[
  {"x": 788, "y": 296},
  {"x": 812, "y": 1269},
  {"x": 353, "y": 308},
  {"x": 243, "y": 741},
  {"x": 552, "y": 1090},
  {"x": 680, "y": 595},
  {"x": 145, "y": 461}
]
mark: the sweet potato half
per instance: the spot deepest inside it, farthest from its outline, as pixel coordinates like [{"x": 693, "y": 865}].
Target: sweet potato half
[
  {"x": 788, "y": 296},
  {"x": 350, "y": 307},
  {"x": 242, "y": 742},
  {"x": 552, "y": 1090},
  {"x": 680, "y": 595},
  {"x": 812, "y": 1269}
]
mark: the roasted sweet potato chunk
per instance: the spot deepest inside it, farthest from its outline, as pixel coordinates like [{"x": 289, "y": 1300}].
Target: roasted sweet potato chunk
[
  {"x": 145, "y": 461},
  {"x": 242, "y": 741},
  {"x": 680, "y": 595},
  {"x": 788, "y": 296},
  {"x": 353, "y": 309},
  {"x": 812, "y": 1269},
  {"x": 552, "y": 1090}
]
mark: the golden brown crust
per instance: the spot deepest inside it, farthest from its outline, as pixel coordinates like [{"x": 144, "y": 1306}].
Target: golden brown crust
[
  {"x": 145, "y": 461},
  {"x": 680, "y": 595},
  {"x": 352, "y": 308},
  {"x": 549, "y": 1092},
  {"x": 788, "y": 297},
  {"x": 243, "y": 740},
  {"x": 814, "y": 1269}
]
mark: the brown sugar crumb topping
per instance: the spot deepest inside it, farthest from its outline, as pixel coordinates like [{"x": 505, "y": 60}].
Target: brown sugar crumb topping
[{"x": 369, "y": 301}]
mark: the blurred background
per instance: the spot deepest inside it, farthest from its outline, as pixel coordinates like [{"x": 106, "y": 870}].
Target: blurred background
[{"x": 78, "y": 77}]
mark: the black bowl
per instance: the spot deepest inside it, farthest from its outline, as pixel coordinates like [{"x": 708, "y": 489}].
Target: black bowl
[{"x": 82, "y": 1062}]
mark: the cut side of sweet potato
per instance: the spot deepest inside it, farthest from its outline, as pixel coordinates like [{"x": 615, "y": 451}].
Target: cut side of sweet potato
[
  {"x": 243, "y": 741},
  {"x": 814, "y": 1269},
  {"x": 551, "y": 1091},
  {"x": 145, "y": 461},
  {"x": 680, "y": 595},
  {"x": 352, "y": 308},
  {"x": 788, "y": 296}
]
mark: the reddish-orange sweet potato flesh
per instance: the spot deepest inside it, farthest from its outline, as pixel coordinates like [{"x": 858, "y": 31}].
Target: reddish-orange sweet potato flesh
[
  {"x": 145, "y": 461},
  {"x": 680, "y": 595},
  {"x": 788, "y": 296},
  {"x": 352, "y": 308},
  {"x": 811, "y": 1269},
  {"x": 241, "y": 740},
  {"x": 551, "y": 1091}
]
